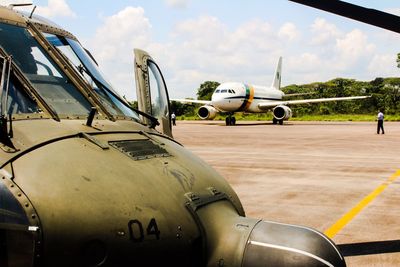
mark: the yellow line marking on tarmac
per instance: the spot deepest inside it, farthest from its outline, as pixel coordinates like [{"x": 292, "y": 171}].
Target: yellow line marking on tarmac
[{"x": 342, "y": 222}]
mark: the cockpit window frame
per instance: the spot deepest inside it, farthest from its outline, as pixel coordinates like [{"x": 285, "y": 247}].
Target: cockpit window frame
[
  {"x": 44, "y": 70},
  {"x": 69, "y": 71},
  {"x": 85, "y": 65}
]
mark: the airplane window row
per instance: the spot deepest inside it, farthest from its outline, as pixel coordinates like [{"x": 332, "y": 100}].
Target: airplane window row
[{"x": 225, "y": 91}]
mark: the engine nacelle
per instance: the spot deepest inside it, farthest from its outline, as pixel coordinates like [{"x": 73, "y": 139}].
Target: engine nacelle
[
  {"x": 207, "y": 112},
  {"x": 282, "y": 112}
]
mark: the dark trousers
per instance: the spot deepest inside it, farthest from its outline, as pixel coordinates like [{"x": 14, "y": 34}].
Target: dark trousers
[{"x": 380, "y": 126}]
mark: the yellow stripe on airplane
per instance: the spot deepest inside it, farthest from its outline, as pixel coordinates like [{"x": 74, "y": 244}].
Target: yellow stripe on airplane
[{"x": 251, "y": 97}]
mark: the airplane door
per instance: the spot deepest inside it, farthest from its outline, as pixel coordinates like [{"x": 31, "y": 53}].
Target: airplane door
[{"x": 151, "y": 91}]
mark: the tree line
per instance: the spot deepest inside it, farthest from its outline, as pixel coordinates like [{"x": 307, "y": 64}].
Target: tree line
[{"x": 384, "y": 92}]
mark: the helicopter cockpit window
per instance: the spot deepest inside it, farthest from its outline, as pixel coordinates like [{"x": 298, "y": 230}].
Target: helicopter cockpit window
[
  {"x": 18, "y": 102},
  {"x": 47, "y": 78},
  {"x": 90, "y": 72},
  {"x": 159, "y": 107}
]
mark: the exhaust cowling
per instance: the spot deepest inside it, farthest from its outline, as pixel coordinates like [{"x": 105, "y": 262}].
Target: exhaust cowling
[
  {"x": 282, "y": 112},
  {"x": 207, "y": 112},
  {"x": 234, "y": 240},
  {"x": 276, "y": 244}
]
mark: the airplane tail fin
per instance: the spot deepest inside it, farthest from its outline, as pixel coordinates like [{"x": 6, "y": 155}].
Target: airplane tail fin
[{"x": 278, "y": 75}]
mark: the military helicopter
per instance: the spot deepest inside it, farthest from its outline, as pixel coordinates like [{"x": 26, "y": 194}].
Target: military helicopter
[{"x": 87, "y": 180}]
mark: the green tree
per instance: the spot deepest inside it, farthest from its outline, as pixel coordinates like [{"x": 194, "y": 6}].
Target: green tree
[
  {"x": 133, "y": 104},
  {"x": 398, "y": 60},
  {"x": 182, "y": 109},
  {"x": 206, "y": 90}
]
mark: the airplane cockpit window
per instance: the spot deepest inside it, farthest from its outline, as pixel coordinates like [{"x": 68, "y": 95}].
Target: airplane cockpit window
[
  {"x": 84, "y": 64},
  {"x": 47, "y": 78},
  {"x": 224, "y": 90},
  {"x": 233, "y": 91},
  {"x": 217, "y": 91}
]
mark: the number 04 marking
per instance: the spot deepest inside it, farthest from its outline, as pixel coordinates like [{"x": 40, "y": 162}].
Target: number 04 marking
[{"x": 136, "y": 232}]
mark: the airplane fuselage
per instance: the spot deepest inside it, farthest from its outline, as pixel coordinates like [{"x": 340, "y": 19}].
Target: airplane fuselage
[{"x": 236, "y": 97}]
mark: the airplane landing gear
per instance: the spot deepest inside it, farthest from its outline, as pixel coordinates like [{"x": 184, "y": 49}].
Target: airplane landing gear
[
  {"x": 230, "y": 120},
  {"x": 276, "y": 121}
]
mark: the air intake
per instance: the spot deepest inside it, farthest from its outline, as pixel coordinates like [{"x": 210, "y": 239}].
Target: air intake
[{"x": 139, "y": 149}]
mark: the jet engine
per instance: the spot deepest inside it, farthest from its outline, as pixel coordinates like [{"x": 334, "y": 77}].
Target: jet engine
[
  {"x": 282, "y": 112},
  {"x": 207, "y": 112}
]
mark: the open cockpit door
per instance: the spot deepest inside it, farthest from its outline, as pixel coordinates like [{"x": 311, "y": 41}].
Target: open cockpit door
[{"x": 151, "y": 91}]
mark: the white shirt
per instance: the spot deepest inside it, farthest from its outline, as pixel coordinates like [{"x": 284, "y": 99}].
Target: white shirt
[{"x": 380, "y": 116}]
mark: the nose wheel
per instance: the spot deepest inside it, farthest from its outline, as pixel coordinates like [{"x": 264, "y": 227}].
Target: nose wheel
[
  {"x": 230, "y": 120},
  {"x": 276, "y": 121}
]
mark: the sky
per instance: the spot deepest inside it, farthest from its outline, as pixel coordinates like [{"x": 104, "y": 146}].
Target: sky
[{"x": 194, "y": 41}]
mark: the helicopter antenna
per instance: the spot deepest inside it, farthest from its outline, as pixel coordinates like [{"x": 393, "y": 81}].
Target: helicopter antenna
[
  {"x": 33, "y": 10},
  {"x": 19, "y": 4}
]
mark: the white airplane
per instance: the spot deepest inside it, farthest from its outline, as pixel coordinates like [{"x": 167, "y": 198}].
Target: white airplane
[{"x": 234, "y": 97}]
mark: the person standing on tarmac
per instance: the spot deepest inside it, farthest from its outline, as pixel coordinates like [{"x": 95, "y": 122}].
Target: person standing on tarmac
[
  {"x": 173, "y": 117},
  {"x": 380, "y": 122}
]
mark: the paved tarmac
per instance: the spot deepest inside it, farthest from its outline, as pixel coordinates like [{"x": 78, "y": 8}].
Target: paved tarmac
[{"x": 340, "y": 178}]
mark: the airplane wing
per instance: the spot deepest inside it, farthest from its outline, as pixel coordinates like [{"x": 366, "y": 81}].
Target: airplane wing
[
  {"x": 192, "y": 101},
  {"x": 271, "y": 104}
]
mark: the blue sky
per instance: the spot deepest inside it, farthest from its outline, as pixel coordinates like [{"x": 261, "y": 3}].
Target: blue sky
[{"x": 198, "y": 40}]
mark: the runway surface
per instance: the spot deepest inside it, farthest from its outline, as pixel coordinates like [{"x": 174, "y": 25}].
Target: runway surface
[{"x": 340, "y": 178}]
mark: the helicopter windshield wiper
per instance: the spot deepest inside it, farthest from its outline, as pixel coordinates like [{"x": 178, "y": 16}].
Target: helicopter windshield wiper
[
  {"x": 5, "y": 134},
  {"x": 5, "y": 84},
  {"x": 154, "y": 121}
]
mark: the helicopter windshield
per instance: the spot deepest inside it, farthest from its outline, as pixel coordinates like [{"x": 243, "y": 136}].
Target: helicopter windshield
[
  {"x": 85, "y": 65},
  {"x": 44, "y": 74}
]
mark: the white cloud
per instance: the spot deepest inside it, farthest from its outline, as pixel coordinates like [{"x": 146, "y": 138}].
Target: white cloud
[
  {"x": 205, "y": 33},
  {"x": 354, "y": 46},
  {"x": 216, "y": 52},
  {"x": 289, "y": 31},
  {"x": 114, "y": 42},
  {"x": 205, "y": 48},
  {"x": 127, "y": 29},
  {"x": 55, "y": 8},
  {"x": 305, "y": 63},
  {"x": 323, "y": 31},
  {"x": 385, "y": 63},
  {"x": 177, "y": 3}
]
